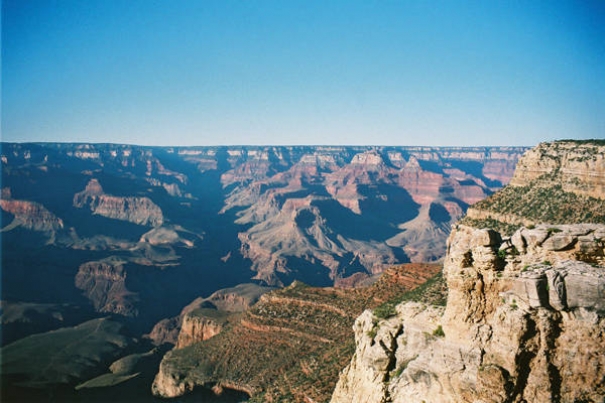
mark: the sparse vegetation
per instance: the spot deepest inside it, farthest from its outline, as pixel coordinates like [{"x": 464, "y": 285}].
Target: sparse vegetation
[
  {"x": 294, "y": 322},
  {"x": 385, "y": 310},
  {"x": 537, "y": 203},
  {"x": 372, "y": 332},
  {"x": 438, "y": 332}
]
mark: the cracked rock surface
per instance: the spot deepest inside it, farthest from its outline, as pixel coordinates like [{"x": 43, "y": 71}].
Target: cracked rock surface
[{"x": 522, "y": 324}]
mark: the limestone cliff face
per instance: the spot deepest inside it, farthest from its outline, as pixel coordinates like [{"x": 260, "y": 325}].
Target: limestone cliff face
[
  {"x": 580, "y": 167},
  {"x": 197, "y": 328},
  {"x": 204, "y": 318},
  {"x": 524, "y": 322},
  {"x": 562, "y": 182}
]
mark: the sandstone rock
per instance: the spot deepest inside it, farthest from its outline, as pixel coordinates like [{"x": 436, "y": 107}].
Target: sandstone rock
[
  {"x": 486, "y": 237},
  {"x": 584, "y": 285},
  {"x": 138, "y": 210},
  {"x": 522, "y": 332},
  {"x": 557, "y": 297},
  {"x": 532, "y": 287},
  {"x": 559, "y": 242},
  {"x": 518, "y": 241},
  {"x": 104, "y": 284},
  {"x": 534, "y": 237},
  {"x": 199, "y": 326},
  {"x": 580, "y": 167},
  {"x": 30, "y": 215}
]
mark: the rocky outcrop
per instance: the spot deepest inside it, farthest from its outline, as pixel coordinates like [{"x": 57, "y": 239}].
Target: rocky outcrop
[
  {"x": 524, "y": 322},
  {"x": 165, "y": 331},
  {"x": 561, "y": 182},
  {"x": 104, "y": 284},
  {"x": 199, "y": 327},
  {"x": 578, "y": 166},
  {"x": 167, "y": 236},
  {"x": 167, "y": 383},
  {"x": 205, "y": 317},
  {"x": 289, "y": 346},
  {"x": 138, "y": 210},
  {"x": 358, "y": 214},
  {"x": 28, "y": 214}
]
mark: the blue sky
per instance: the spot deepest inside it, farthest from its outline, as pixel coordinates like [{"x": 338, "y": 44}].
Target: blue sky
[{"x": 202, "y": 72}]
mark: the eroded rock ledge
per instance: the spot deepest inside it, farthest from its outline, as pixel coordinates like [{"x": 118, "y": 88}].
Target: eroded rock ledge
[{"x": 524, "y": 322}]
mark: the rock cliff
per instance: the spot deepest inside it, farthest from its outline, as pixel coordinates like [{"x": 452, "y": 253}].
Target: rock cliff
[
  {"x": 28, "y": 214},
  {"x": 199, "y": 327},
  {"x": 559, "y": 182},
  {"x": 205, "y": 317},
  {"x": 140, "y": 232},
  {"x": 289, "y": 346},
  {"x": 524, "y": 322},
  {"x": 104, "y": 284},
  {"x": 578, "y": 166},
  {"x": 138, "y": 210}
]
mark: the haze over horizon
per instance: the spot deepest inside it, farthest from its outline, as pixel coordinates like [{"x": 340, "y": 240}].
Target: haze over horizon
[{"x": 193, "y": 72}]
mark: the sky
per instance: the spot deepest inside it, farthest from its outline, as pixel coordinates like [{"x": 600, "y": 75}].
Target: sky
[{"x": 287, "y": 72}]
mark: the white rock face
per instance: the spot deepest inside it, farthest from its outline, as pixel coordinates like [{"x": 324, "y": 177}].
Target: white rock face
[
  {"x": 580, "y": 167},
  {"x": 521, "y": 325},
  {"x": 166, "y": 384}
]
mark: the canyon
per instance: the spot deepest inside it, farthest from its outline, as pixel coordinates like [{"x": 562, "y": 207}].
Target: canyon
[
  {"x": 262, "y": 272},
  {"x": 524, "y": 318},
  {"x": 510, "y": 331},
  {"x": 137, "y": 234},
  {"x": 323, "y": 215}
]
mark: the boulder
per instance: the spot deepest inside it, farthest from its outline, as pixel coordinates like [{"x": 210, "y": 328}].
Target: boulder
[
  {"x": 486, "y": 237},
  {"x": 559, "y": 242}
]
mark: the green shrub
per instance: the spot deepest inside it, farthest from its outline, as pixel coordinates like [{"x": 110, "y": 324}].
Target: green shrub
[
  {"x": 439, "y": 332},
  {"x": 385, "y": 310}
]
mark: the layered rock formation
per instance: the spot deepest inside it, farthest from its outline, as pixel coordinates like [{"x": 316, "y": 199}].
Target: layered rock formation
[
  {"x": 30, "y": 215},
  {"x": 140, "y": 232},
  {"x": 578, "y": 166},
  {"x": 104, "y": 283},
  {"x": 206, "y": 317},
  {"x": 391, "y": 205},
  {"x": 569, "y": 175},
  {"x": 318, "y": 214},
  {"x": 200, "y": 327},
  {"x": 138, "y": 210},
  {"x": 524, "y": 322},
  {"x": 289, "y": 346}
]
